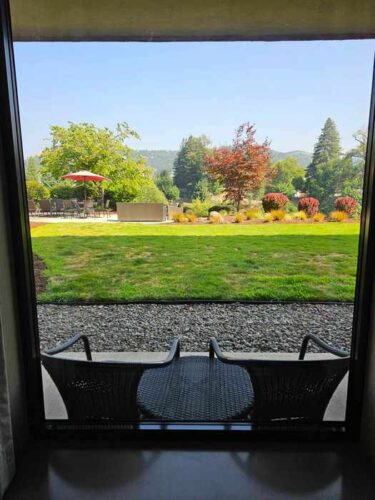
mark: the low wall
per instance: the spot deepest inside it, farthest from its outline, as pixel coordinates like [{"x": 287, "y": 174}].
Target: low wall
[
  {"x": 141, "y": 212},
  {"x": 145, "y": 212}
]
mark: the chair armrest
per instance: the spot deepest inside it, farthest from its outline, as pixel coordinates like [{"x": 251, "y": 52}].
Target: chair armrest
[
  {"x": 322, "y": 344},
  {"x": 69, "y": 343},
  {"x": 215, "y": 349},
  {"x": 174, "y": 351}
]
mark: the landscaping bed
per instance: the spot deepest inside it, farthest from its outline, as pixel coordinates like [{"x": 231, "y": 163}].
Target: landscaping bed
[{"x": 238, "y": 327}]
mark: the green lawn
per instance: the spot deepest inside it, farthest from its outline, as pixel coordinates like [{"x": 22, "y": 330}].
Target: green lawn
[{"x": 121, "y": 262}]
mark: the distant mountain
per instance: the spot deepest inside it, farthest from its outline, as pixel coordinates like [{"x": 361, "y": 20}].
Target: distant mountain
[
  {"x": 160, "y": 159},
  {"x": 302, "y": 157}
]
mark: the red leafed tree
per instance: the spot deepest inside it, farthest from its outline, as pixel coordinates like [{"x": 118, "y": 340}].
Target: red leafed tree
[{"x": 242, "y": 167}]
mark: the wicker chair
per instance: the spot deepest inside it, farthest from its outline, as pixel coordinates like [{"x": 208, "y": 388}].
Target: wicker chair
[
  {"x": 291, "y": 389},
  {"x": 99, "y": 390}
]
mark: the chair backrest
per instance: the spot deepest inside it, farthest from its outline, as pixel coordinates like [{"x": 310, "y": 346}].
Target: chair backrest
[
  {"x": 89, "y": 204},
  {"x": 59, "y": 205},
  {"x": 294, "y": 389},
  {"x": 93, "y": 390},
  {"x": 45, "y": 205},
  {"x": 31, "y": 205}
]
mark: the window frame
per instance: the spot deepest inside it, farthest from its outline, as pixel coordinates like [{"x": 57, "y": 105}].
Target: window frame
[{"x": 19, "y": 237}]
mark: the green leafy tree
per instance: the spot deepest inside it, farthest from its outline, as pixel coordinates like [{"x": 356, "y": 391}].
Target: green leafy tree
[
  {"x": 340, "y": 177},
  {"x": 286, "y": 175},
  {"x": 360, "y": 136},
  {"x": 326, "y": 149},
  {"x": 36, "y": 191},
  {"x": 32, "y": 171},
  {"x": 189, "y": 165},
  {"x": 83, "y": 146},
  {"x": 164, "y": 182}
]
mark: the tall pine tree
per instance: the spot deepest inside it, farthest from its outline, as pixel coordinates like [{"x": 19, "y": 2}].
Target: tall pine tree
[
  {"x": 326, "y": 149},
  {"x": 189, "y": 165}
]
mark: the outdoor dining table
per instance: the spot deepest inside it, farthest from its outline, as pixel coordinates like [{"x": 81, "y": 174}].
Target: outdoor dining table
[{"x": 195, "y": 388}]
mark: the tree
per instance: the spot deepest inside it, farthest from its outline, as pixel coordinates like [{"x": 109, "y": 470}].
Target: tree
[
  {"x": 32, "y": 170},
  {"x": 83, "y": 146},
  {"x": 340, "y": 177},
  {"x": 189, "y": 165},
  {"x": 36, "y": 191},
  {"x": 360, "y": 136},
  {"x": 287, "y": 176},
  {"x": 164, "y": 182},
  {"x": 326, "y": 149},
  {"x": 242, "y": 167}
]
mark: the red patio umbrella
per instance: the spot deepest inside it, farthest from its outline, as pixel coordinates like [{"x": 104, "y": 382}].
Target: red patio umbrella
[{"x": 83, "y": 176}]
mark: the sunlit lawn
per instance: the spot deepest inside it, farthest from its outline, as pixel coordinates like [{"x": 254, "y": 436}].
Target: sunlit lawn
[{"x": 125, "y": 262}]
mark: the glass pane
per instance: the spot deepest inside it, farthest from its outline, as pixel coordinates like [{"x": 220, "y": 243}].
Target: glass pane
[{"x": 189, "y": 191}]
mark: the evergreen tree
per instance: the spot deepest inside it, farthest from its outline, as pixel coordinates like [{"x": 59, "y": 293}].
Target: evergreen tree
[
  {"x": 164, "y": 182},
  {"x": 326, "y": 149},
  {"x": 189, "y": 166}
]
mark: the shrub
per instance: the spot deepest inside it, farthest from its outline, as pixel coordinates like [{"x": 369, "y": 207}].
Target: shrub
[
  {"x": 228, "y": 209},
  {"x": 253, "y": 213},
  {"x": 309, "y": 205},
  {"x": 338, "y": 215},
  {"x": 346, "y": 204},
  {"x": 181, "y": 218},
  {"x": 268, "y": 217},
  {"x": 191, "y": 217},
  {"x": 64, "y": 190},
  {"x": 200, "y": 208},
  {"x": 216, "y": 218},
  {"x": 288, "y": 217},
  {"x": 301, "y": 215},
  {"x": 290, "y": 208},
  {"x": 239, "y": 217},
  {"x": 319, "y": 217},
  {"x": 278, "y": 214},
  {"x": 274, "y": 201},
  {"x": 36, "y": 191}
]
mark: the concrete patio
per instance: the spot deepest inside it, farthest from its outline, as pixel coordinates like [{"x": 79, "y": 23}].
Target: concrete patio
[{"x": 55, "y": 408}]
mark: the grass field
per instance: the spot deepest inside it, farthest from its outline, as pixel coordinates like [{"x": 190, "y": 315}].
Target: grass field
[{"x": 120, "y": 262}]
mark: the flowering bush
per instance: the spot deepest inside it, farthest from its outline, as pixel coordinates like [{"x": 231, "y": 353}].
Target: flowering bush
[
  {"x": 268, "y": 217},
  {"x": 274, "y": 201},
  {"x": 301, "y": 215},
  {"x": 191, "y": 217},
  {"x": 278, "y": 214},
  {"x": 319, "y": 217},
  {"x": 338, "y": 215},
  {"x": 309, "y": 205},
  {"x": 253, "y": 213},
  {"x": 346, "y": 204},
  {"x": 177, "y": 217},
  {"x": 239, "y": 217}
]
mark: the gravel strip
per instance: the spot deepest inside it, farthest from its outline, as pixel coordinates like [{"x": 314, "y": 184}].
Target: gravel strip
[{"x": 238, "y": 327}]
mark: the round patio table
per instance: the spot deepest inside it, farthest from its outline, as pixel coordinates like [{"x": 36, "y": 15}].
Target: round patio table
[{"x": 195, "y": 388}]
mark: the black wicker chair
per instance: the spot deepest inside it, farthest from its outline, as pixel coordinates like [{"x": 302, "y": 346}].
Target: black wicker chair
[
  {"x": 291, "y": 389},
  {"x": 99, "y": 390}
]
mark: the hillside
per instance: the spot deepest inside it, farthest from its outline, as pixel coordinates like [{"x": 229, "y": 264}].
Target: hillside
[{"x": 161, "y": 159}]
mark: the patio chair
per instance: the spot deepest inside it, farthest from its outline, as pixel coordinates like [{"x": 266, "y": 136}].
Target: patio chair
[
  {"x": 32, "y": 207},
  {"x": 72, "y": 208},
  {"x": 291, "y": 389},
  {"x": 45, "y": 207},
  {"x": 58, "y": 206},
  {"x": 99, "y": 390}
]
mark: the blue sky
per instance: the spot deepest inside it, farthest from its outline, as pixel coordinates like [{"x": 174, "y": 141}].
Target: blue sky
[{"x": 167, "y": 91}]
